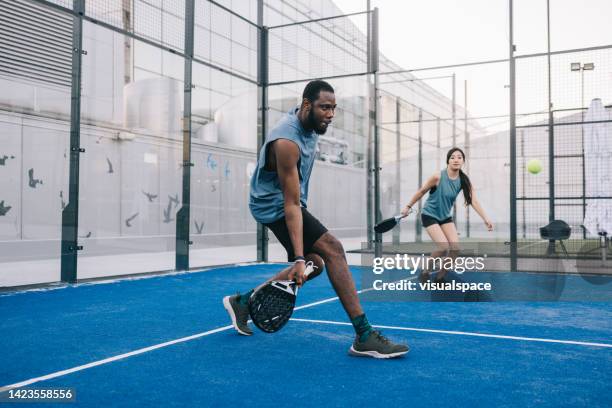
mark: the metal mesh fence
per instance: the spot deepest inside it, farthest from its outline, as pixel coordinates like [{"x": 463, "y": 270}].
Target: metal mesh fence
[
  {"x": 225, "y": 39},
  {"x": 579, "y": 83},
  {"x": 162, "y": 22},
  {"x": 297, "y": 51}
]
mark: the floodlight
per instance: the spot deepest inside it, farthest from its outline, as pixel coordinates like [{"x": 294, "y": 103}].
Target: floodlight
[{"x": 588, "y": 66}]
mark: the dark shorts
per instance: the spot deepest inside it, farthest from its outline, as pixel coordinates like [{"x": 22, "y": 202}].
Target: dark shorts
[
  {"x": 427, "y": 220},
  {"x": 312, "y": 230}
]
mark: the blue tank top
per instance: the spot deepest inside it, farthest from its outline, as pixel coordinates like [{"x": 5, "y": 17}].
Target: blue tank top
[
  {"x": 439, "y": 204},
  {"x": 266, "y": 200}
]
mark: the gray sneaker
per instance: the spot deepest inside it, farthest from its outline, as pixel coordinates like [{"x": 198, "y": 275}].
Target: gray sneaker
[
  {"x": 238, "y": 313},
  {"x": 377, "y": 346}
]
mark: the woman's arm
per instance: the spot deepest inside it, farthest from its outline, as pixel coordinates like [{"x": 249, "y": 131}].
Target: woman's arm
[
  {"x": 478, "y": 208},
  {"x": 429, "y": 184}
]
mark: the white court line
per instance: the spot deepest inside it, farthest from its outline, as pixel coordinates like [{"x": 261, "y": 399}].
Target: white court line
[
  {"x": 459, "y": 333},
  {"x": 145, "y": 350},
  {"x": 139, "y": 351},
  {"x": 111, "y": 359}
]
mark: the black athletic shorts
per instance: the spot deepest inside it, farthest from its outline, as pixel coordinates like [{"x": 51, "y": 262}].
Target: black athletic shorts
[
  {"x": 427, "y": 220},
  {"x": 312, "y": 230}
]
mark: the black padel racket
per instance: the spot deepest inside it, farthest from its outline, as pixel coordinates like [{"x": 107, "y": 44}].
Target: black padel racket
[
  {"x": 389, "y": 223},
  {"x": 271, "y": 304}
]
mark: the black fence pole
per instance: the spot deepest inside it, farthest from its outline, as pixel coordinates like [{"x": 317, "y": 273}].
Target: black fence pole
[
  {"x": 419, "y": 226},
  {"x": 377, "y": 168},
  {"x": 513, "y": 234},
  {"x": 183, "y": 215},
  {"x": 551, "y": 135},
  {"x": 70, "y": 214},
  {"x": 398, "y": 170},
  {"x": 262, "y": 76}
]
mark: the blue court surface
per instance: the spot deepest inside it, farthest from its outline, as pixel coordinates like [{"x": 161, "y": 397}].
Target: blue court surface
[{"x": 166, "y": 341}]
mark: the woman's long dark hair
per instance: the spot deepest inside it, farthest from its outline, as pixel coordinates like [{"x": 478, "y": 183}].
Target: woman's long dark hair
[{"x": 466, "y": 185}]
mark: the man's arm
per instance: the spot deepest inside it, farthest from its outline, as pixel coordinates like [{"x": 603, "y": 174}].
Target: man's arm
[{"x": 287, "y": 156}]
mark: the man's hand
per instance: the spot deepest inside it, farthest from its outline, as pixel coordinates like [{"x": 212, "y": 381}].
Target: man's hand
[{"x": 297, "y": 273}]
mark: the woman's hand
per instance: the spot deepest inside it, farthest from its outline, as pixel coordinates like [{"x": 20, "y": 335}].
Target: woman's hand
[
  {"x": 489, "y": 224},
  {"x": 406, "y": 211}
]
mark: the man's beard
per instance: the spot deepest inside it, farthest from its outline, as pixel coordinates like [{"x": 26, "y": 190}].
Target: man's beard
[{"x": 312, "y": 124}]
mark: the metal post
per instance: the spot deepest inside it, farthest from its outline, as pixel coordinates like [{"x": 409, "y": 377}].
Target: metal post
[
  {"x": 513, "y": 238},
  {"x": 467, "y": 151},
  {"x": 262, "y": 76},
  {"x": 438, "y": 159},
  {"x": 128, "y": 47},
  {"x": 70, "y": 214},
  {"x": 377, "y": 168},
  {"x": 419, "y": 227},
  {"x": 551, "y": 177},
  {"x": 523, "y": 212},
  {"x": 581, "y": 89},
  {"x": 582, "y": 148},
  {"x": 183, "y": 215},
  {"x": 370, "y": 172},
  {"x": 551, "y": 137},
  {"x": 454, "y": 111},
  {"x": 370, "y": 137},
  {"x": 454, "y": 133},
  {"x": 398, "y": 175}
]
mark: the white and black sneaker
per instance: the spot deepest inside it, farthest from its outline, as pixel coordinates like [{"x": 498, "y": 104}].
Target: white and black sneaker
[
  {"x": 238, "y": 313},
  {"x": 377, "y": 346}
]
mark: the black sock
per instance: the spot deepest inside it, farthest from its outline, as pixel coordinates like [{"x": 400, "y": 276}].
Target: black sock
[
  {"x": 244, "y": 298},
  {"x": 362, "y": 327}
]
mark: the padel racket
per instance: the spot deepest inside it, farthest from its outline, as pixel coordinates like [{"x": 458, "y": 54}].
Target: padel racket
[
  {"x": 271, "y": 304},
  {"x": 389, "y": 223}
]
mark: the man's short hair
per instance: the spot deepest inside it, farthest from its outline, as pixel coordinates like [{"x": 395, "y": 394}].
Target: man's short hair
[{"x": 313, "y": 88}]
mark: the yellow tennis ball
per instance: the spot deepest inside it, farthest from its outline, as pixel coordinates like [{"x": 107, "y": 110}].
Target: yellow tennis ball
[{"x": 534, "y": 166}]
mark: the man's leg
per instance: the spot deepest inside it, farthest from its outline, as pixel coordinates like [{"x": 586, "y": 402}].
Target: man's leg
[
  {"x": 368, "y": 342},
  {"x": 332, "y": 252}
]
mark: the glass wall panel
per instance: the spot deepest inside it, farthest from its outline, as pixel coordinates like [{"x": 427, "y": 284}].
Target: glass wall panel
[
  {"x": 130, "y": 175},
  {"x": 224, "y": 126},
  {"x": 35, "y": 78}
]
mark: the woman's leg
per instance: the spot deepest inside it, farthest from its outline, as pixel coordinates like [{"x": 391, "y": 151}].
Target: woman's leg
[
  {"x": 439, "y": 238},
  {"x": 450, "y": 232}
]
